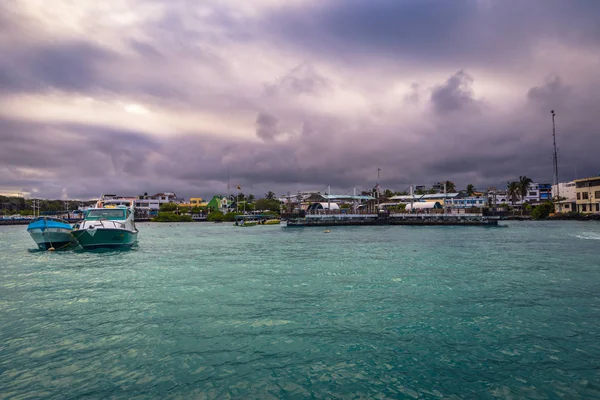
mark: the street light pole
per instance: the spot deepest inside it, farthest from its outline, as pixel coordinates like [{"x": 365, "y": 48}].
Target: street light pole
[{"x": 555, "y": 158}]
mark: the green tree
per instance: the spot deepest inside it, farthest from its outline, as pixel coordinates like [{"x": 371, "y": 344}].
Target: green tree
[
  {"x": 524, "y": 183},
  {"x": 184, "y": 210},
  {"x": 266, "y": 204},
  {"x": 168, "y": 207},
  {"x": 270, "y": 195},
  {"x": 450, "y": 187},
  {"x": 215, "y": 216},
  {"x": 470, "y": 190},
  {"x": 388, "y": 193},
  {"x": 251, "y": 198},
  {"x": 512, "y": 189},
  {"x": 164, "y": 216},
  {"x": 543, "y": 210}
]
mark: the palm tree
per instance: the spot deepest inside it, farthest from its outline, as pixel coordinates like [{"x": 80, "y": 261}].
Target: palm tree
[
  {"x": 524, "y": 183},
  {"x": 512, "y": 189},
  {"x": 270, "y": 195},
  {"x": 470, "y": 190}
]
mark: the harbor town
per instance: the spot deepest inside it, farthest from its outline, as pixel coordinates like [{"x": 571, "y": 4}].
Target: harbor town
[{"x": 440, "y": 203}]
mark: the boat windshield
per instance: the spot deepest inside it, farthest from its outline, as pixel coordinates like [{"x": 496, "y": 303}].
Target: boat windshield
[{"x": 110, "y": 213}]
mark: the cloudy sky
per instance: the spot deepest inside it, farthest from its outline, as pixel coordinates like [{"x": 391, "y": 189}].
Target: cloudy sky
[{"x": 133, "y": 96}]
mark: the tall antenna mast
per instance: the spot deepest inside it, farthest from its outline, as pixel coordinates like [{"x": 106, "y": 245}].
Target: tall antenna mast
[{"x": 555, "y": 156}]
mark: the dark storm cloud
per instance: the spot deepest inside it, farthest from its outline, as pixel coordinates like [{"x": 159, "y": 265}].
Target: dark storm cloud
[
  {"x": 552, "y": 94},
  {"x": 445, "y": 138},
  {"x": 67, "y": 65},
  {"x": 267, "y": 126},
  {"x": 463, "y": 33},
  {"x": 454, "y": 95}
]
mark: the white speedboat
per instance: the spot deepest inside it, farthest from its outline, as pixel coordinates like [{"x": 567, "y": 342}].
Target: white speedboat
[{"x": 107, "y": 227}]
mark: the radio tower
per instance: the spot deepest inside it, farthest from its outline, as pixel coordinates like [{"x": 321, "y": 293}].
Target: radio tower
[{"x": 555, "y": 156}]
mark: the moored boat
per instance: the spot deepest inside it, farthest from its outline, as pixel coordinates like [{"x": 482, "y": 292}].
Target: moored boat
[
  {"x": 272, "y": 221},
  {"x": 107, "y": 227},
  {"x": 245, "y": 221},
  {"x": 51, "y": 233}
]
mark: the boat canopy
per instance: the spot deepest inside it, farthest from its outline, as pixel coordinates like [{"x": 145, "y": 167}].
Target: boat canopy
[{"x": 45, "y": 223}]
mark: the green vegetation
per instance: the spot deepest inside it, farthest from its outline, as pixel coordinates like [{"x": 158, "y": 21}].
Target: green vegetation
[
  {"x": 215, "y": 216},
  {"x": 512, "y": 189},
  {"x": 171, "y": 217},
  {"x": 219, "y": 216},
  {"x": 470, "y": 190},
  {"x": 267, "y": 204},
  {"x": 543, "y": 210},
  {"x": 168, "y": 207},
  {"x": 398, "y": 208},
  {"x": 450, "y": 187},
  {"x": 19, "y": 205},
  {"x": 184, "y": 210},
  {"x": 524, "y": 183}
]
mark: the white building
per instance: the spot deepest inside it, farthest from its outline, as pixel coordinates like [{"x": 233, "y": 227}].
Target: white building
[
  {"x": 152, "y": 203},
  {"x": 567, "y": 191},
  {"x": 467, "y": 202}
]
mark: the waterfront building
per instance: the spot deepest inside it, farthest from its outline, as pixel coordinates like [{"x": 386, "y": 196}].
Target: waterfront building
[
  {"x": 194, "y": 202},
  {"x": 405, "y": 199},
  {"x": 465, "y": 201},
  {"x": 567, "y": 193},
  {"x": 151, "y": 204},
  {"x": 545, "y": 192},
  {"x": 219, "y": 203},
  {"x": 587, "y": 195}
]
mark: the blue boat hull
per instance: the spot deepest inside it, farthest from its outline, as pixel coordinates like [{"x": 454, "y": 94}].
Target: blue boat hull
[{"x": 48, "y": 233}]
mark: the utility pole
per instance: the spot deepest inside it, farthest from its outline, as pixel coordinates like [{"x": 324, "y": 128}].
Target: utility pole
[
  {"x": 377, "y": 186},
  {"x": 555, "y": 158}
]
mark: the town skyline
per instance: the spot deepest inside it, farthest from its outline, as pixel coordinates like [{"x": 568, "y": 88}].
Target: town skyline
[{"x": 149, "y": 95}]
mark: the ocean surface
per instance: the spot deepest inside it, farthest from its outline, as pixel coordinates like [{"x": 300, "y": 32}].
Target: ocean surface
[{"x": 211, "y": 311}]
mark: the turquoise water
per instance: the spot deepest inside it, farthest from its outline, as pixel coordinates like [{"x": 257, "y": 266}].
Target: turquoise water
[{"x": 213, "y": 311}]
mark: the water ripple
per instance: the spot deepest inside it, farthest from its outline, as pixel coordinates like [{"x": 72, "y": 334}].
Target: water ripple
[{"x": 210, "y": 311}]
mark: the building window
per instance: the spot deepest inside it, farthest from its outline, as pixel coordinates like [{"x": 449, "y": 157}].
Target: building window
[
  {"x": 578, "y": 196},
  {"x": 597, "y": 194},
  {"x": 584, "y": 195},
  {"x": 566, "y": 206},
  {"x": 597, "y": 207},
  {"x": 583, "y": 208}
]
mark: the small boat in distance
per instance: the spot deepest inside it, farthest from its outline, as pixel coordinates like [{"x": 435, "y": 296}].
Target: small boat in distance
[
  {"x": 107, "y": 227},
  {"x": 245, "y": 220},
  {"x": 51, "y": 233}
]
